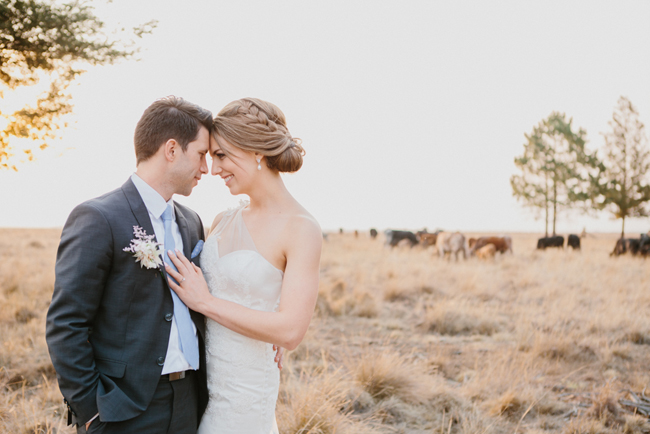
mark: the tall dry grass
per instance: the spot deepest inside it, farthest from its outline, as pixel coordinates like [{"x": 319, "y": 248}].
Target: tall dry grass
[
  {"x": 30, "y": 401},
  {"x": 531, "y": 342},
  {"x": 404, "y": 342}
]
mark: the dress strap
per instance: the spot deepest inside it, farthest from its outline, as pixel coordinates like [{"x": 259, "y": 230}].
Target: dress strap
[{"x": 227, "y": 217}]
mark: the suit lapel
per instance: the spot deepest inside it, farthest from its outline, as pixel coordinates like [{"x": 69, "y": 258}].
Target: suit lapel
[
  {"x": 141, "y": 214},
  {"x": 181, "y": 221},
  {"x": 138, "y": 207}
]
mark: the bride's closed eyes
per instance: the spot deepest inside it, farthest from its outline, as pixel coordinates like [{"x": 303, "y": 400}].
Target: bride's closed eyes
[{"x": 219, "y": 154}]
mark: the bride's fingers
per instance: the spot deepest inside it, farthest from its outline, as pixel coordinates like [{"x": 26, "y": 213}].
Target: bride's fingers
[
  {"x": 183, "y": 259},
  {"x": 173, "y": 285},
  {"x": 176, "y": 260},
  {"x": 182, "y": 264},
  {"x": 173, "y": 273},
  {"x": 197, "y": 269}
]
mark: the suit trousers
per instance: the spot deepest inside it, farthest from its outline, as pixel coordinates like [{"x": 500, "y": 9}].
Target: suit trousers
[{"x": 173, "y": 410}]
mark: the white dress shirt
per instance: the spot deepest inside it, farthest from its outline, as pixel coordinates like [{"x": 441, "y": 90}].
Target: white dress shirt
[{"x": 174, "y": 360}]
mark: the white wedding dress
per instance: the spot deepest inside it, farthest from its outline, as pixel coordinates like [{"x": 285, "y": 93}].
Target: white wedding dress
[{"x": 243, "y": 379}]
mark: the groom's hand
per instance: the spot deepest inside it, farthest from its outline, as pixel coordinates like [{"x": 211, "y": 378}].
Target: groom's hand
[{"x": 279, "y": 353}]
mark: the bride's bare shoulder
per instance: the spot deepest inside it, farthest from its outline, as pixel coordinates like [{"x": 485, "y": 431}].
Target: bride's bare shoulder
[{"x": 305, "y": 226}]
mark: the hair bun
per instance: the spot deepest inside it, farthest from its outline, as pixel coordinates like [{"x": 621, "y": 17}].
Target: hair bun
[{"x": 289, "y": 160}]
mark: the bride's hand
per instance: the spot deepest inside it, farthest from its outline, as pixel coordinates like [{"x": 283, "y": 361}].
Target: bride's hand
[
  {"x": 191, "y": 286},
  {"x": 279, "y": 353}
]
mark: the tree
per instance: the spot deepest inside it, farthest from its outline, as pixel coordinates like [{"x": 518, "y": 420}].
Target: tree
[
  {"x": 554, "y": 168},
  {"x": 621, "y": 185},
  {"x": 42, "y": 42}
]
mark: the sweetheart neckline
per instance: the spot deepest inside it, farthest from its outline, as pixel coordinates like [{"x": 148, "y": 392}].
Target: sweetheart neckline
[
  {"x": 243, "y": 205},
  {"x": 252, "y": 251}
]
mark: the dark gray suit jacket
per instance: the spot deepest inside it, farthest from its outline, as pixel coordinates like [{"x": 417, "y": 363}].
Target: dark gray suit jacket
[{"x": 109, "y": 321}]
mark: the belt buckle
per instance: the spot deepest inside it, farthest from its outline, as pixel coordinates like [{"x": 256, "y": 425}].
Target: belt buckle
[{"x": 176, "y": 376}]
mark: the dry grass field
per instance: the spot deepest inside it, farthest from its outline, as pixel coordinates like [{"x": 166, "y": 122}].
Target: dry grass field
[{"x": 404, "y": 342}]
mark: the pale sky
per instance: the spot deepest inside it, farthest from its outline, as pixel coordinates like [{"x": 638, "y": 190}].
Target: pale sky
[{"x": 411, "y": 112}]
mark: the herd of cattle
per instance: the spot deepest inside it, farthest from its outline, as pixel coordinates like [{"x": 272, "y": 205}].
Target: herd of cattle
[
  {"x": 448, "y": 243},
  {"x": 636, "y": 246}
]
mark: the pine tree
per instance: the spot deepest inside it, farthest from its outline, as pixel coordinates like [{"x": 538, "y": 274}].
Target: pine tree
[
  {"x": 621, "y": 186},
  {"x": 554, "y": 168}
]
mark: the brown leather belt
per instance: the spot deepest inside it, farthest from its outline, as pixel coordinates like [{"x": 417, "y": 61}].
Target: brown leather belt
[{"x": 176, "y": 375}]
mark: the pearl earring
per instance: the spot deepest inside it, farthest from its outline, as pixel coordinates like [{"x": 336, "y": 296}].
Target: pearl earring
[{"x": 259, "y": 165}]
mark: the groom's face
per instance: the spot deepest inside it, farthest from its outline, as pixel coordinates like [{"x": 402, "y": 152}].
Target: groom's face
[{"x": 191, "y": 164}]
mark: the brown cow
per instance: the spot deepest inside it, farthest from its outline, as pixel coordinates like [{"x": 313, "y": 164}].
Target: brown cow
[
  {"x": 427, "y": 239},
  {"x": 502, "y": 244},
  {"x": 486, "y": 252}
]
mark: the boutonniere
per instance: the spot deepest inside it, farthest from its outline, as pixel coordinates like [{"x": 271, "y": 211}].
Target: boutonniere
[{"x": 145, "y": 250}]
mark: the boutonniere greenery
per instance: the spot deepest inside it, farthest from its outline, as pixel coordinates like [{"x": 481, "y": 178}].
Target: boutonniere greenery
[{"x": 145, "y": 250}]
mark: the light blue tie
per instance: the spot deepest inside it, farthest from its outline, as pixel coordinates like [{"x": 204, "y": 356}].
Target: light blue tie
[{"x": 181, "y": 312}]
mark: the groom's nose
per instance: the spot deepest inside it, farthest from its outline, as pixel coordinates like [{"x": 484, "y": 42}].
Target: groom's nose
[{"x": 204, "y": 165}]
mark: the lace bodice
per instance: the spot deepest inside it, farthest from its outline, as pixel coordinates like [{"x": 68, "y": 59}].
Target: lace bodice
[{"x": 243, "y": 379}]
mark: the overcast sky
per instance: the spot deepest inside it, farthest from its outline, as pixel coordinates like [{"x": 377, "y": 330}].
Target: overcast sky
[{"x": 411, "y": 112}]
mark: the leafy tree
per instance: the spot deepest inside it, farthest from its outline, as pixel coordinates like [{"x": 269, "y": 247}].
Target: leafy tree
[
  {"x": 41, "y": 41},
  {"x": 554, "y": 168},
  {"x": 621, "y": 185}
]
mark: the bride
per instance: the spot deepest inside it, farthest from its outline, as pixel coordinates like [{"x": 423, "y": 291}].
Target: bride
[{"x": 258, "y": 280}]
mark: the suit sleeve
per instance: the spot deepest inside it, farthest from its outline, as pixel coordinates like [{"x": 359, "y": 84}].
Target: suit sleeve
[{"x": 83, "y": 263}]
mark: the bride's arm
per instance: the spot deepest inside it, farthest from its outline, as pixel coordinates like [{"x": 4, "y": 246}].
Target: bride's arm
[{"x": 288, "y": 325}]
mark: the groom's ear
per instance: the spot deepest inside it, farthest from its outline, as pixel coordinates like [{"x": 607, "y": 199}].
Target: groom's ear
[{"x": 171, "y": 149}]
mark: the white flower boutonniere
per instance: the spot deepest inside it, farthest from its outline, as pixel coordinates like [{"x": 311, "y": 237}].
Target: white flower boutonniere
[{"x": 145, "y": 249}]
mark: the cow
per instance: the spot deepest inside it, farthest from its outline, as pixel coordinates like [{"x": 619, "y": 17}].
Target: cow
[
  {"x": 502, "y": 244},
  {"x": 393, "y": 237},
  {"x": 644, "y": 245},
  {"x": 452, "y": 244},
  {"x": 486, "y": 252},
  {"x": 554, "y": 241},
  {"x": 624, "y": 245},
  {"x": 573, "y": 241},
  {"x": 373, "y": 233},
  {"x": 426, "y": 239}
]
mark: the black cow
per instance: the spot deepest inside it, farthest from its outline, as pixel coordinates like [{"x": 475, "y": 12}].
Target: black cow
[
  {"x": 394, "y": 237},
  {"x": 644, "y": 245},
  {"x": 573, "y": 241},
  {"x": 624, "y": 245},
  {"x": 556, "y": 241},
  {"x": 373, "y": 233}
]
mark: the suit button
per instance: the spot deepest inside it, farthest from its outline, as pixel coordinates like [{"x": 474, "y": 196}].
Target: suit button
[
  {"x": 169, "y": 316},
  {"x": 160, "y": 361}
]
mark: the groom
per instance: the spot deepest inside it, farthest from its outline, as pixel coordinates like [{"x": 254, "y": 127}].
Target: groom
[{"x": 129, "y": 355}]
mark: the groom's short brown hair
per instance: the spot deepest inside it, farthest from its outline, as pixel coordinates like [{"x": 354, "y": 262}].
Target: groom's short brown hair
[{"x": 169, "y": 118}]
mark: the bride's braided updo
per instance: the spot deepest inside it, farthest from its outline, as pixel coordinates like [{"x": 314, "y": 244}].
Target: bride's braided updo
[{"x": 258, "y": 126}]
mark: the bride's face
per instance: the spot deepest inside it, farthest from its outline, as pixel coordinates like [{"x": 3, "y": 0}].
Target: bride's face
[{"x": 236, "y": 167}]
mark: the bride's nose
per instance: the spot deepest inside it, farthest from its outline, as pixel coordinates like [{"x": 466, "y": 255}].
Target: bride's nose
[{"x": 216, "y": 168}]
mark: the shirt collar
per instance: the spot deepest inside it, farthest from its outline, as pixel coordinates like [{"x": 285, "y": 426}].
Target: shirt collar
[{"x": 154, "y": 202}]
